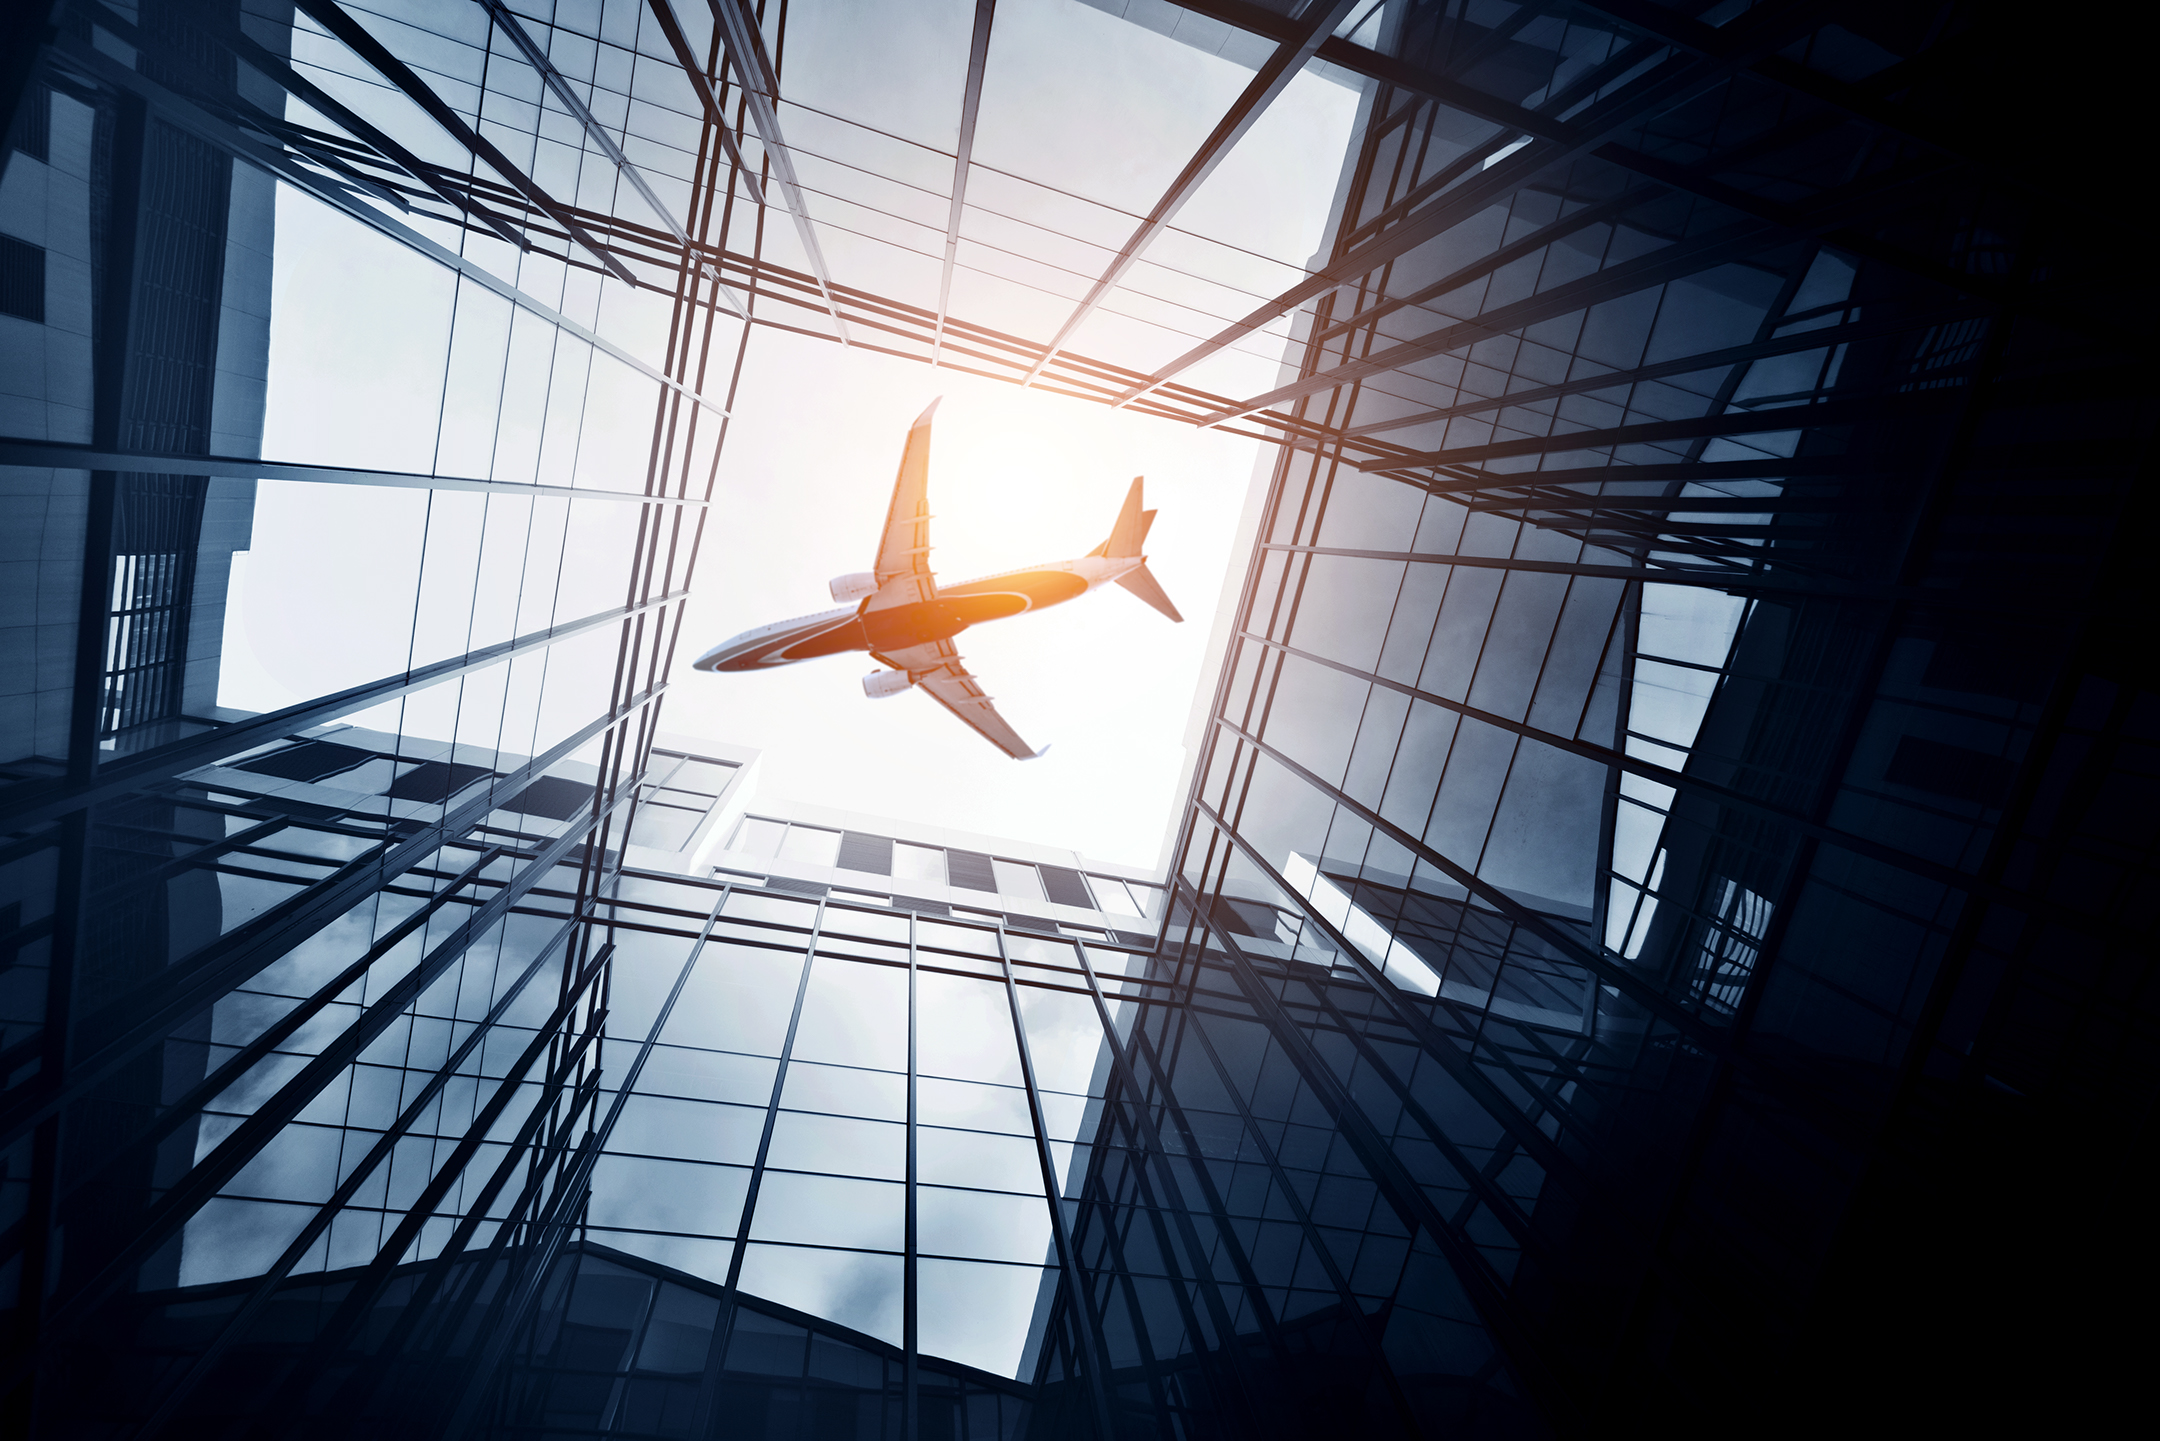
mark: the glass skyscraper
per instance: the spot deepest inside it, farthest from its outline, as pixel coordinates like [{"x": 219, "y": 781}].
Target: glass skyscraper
[{"x": 1655, "y": 932}]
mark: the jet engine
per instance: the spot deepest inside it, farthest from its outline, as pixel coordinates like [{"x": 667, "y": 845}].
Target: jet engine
[
  {"x": 881, "y": 683},
  {"x": 847, "y": 589}
]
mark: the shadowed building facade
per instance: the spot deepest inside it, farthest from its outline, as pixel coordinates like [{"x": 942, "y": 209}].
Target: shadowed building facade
[{"x": 1654, "y": 936}]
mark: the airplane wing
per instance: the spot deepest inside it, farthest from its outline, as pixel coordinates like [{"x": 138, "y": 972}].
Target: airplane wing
[
  {"x": 903, "y": 558},
  {"x": 938, "y": 669}
]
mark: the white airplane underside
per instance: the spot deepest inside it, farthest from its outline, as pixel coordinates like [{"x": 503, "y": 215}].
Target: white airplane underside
[{"x": 907, "y": 621}]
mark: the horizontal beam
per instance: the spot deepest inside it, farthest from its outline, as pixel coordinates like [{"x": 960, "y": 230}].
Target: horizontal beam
[
  {"x": 356, "y": 38},
  {"x": 33, "y": 802},
  {"x": 1734, "y": 581},
  {"x": 65, "y": 455},
  {"x": 1794, "y": 344},
  {"x": 760, "y": 86},
  {"x": 1268, "y": 83},
  {"x": 1652, "y": 432},
  {"x": 1683, "y": 257},
  {"x": 185, "y": 115}
]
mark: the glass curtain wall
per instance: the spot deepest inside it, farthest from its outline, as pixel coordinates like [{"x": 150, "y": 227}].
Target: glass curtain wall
[
  {"x": 1670, "y": 818},
  {"x": 299, "y": 905},
  {"x": 1634, "y": 814}
]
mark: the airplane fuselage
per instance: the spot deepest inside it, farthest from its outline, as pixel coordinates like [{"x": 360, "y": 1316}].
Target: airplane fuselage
[{"x": 955, "y": 608}]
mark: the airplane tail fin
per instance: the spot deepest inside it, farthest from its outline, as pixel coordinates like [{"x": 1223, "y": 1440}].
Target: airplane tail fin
[
  {"x": 1126, "y": 538},
  {"x": 1131, "y": 528},
  {"x": 1141, "y": 583}
]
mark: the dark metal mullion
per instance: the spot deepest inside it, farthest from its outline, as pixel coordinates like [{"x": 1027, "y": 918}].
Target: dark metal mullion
[
  {"x": 970, "y": 103},
  {"x": 1668, "y": 83},
  {"x": 723, "y": 1329},
  {"x": 550, "y": 1227},
  {"x": 1495, "y": 259},
  {"x": 910, "y": 1299},
  {"x": 235, "y": 1326},
  {"x": 247, "y": 1057},
  {"x": 1396, "y": 1185},
  {"x": 1689, "y": 256},
  {"x": 356, "y": 38},
  {"x": 22, "y": 450},
  {"x": 1622, "y": 979},
  {"x": 1268, "y": 82},
  {"x": 507, "y": 19},
  {"x": 1784, "y": 584},
  {"x": 1464, "y": 480},
  {"x": 202, "y": 856},
  {"x": 1797, "y": 343},
  {"x": 1087, "y": 1323},
  {"x": 186, "y": 988},
  {"x": 456, "y": 1245},
  {"x": 112, "y": 325},
  {"x": 1303, "y": 1217},
  {"x": 1108, "y": 1208},
  {"x": 211, "y": 1173},
  {"x": 1248, "y": 1278},
  {"x": 759, "y": 88},
  {"x": 368, "y": 1288},
  {"x": 1477, "y": 1185},
  {"x": 49, "y": 800},
  {"x": 279, "y": 71},
  {"x": 1861, "y": 100},
  {"x": 1740, "y": 422},
  {"x": 1620, "y": 509},
  {"x": 539, "y": 1160},
  {"x": 1146, "y": 1146},
  {"x": 191, "y": 118}
]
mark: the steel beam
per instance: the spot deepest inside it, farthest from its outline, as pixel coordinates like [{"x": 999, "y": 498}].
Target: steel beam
[
  {"x": 1272, "y": 79},
  {"x": 1735, "y": 581},
  {"x": 190, "y": 117},
  {"x": 507, "y": 21},
  {"x": 35, "y": 801},
  {"x": 1682, "y": 257},
  {"x": 1670, "y": 82},
  {"x": 970, "y": 104},
  {"x": 211, "y": 1174},
  {"x": 761, "y": 90},
  {"x": 356, "y": 38},
  {"x": 1906, "y": 405},
  {"x": 1797, "y": 343},
  {"x": 66, "y": 455}
]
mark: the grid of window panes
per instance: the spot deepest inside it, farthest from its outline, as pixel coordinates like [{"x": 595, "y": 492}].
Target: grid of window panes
[
  {"x": 300, "y": 971},
  {"x": 1094, "y": 1182},
  {"x": 1643, "y": 825}
]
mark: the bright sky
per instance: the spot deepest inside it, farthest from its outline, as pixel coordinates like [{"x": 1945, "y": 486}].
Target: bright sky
[{"x": 360, "y": 325}]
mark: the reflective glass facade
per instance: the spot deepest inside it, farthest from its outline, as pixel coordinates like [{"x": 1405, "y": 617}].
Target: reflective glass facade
[{"x": 1654, "y": 933}]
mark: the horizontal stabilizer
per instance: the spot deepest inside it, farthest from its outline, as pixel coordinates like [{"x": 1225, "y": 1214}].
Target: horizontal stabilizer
[{"x": 1141, "y": 582}]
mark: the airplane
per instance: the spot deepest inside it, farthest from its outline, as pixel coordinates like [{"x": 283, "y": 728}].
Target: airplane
[{"x": 906, "y": 620}]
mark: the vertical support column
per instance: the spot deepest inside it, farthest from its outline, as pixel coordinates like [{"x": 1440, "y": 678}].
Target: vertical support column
[
  {"x": 703, "y": 1420},
  {"x": 910, "y": 1331},
  {"x": 1084, "y": 1321},
  {"x": 111, "y": 324}
]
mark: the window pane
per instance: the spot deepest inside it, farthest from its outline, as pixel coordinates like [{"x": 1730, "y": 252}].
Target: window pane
[
  {"x": 859, "y": 1291},
  {"x": 758, "y": 838},
  {"x": 829, "y": 1210},
  {"x": 988, "y": 1317},
  {"x": 1019, "y": 881},
  {"x": 811, "y": 846},
  {"x": 918, "y": 863},
  {"x": 838, "y": 1144}
]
